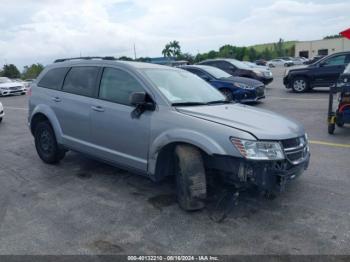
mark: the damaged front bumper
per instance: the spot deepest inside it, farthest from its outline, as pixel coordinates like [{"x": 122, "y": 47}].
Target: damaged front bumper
[{"x": 266, "y": 175}]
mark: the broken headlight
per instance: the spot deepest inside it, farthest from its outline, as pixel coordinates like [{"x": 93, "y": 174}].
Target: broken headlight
[{"x": 258, "y": 150}]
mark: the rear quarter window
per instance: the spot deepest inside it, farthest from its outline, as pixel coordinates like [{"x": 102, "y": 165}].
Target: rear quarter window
[
  {"x": 82, "y": 80},
  {"x": 53, "y": 79}
]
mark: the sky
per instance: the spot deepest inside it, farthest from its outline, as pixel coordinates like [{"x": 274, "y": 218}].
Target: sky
[{"x": 40, "y": 31}]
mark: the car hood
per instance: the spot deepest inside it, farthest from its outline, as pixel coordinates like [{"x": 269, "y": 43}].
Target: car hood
[
  {"x": 12, "y": 84},
  {"x": 296, "y": 68},
  {"x": 262, "y": 124},
  {"x": 243, "y": 80}
]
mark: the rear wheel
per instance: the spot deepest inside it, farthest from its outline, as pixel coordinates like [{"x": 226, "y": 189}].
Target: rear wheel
[
  {"x": 46, "y": 144},
  {"x": 227, "y": 93},
  {"x": 300, "y": 84},
  {"x": 0, "y": 119},
  {"x": 191, "y": 188}
]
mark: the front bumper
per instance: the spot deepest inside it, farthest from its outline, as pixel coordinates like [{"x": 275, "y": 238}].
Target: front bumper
[
  {"x": 286, "y": 82},
  {"x": 12, "y": 92},
  {"x": 265, "y": 80},
  {"x": 250, "y": 95},
  {"x": 271, "y": 176}
]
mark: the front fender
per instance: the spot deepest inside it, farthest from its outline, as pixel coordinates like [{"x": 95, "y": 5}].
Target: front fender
[
  {"x": 51, "y": 116},
  {"x": 205, "y": 143}
]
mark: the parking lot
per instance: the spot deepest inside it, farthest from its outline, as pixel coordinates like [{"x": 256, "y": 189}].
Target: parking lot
[{"x": 82, "y": 206}]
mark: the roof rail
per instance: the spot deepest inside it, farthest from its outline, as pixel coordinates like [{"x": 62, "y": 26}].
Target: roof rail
[{"x": 86, "y": 58}]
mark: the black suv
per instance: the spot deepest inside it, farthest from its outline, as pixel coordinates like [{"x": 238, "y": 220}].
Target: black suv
[
  {"x": 322, "y": 73},
  {"x": 237, "y": 68}
]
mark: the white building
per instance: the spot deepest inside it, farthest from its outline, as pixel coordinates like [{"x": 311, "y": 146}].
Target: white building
[{"x": 310, "y": 49}]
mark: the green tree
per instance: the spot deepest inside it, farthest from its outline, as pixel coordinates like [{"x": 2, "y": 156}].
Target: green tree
[
  {"x": 31, "y": 72},
  {"x": 10, "y": 71},
  {"x": 172, "y": 49},
  {"x": 125, "y": 58},
  {"x": 279, "y": 47},
  {"x": 186, "y": 56}
]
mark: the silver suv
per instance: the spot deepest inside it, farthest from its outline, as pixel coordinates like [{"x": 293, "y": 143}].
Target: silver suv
[{"x": 161, "y": 121}]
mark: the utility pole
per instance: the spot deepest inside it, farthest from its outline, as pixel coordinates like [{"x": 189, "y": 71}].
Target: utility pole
[{"x": 134, "y": 51}]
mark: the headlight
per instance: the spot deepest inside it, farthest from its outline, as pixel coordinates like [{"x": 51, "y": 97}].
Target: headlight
[
  {"x": 258, "y": 72},
  {"x": 243, "y": 86},
  {"x": 258, "y": 150}
]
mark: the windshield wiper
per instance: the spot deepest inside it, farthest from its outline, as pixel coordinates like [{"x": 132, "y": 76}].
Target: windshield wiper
[
  {"x": 219, "y": 102},
  {"x": 188, "y": 104}
]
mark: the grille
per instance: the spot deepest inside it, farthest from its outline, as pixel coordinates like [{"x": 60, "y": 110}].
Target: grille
[
  {"x": 15, "y": 87},
  {"x": 260, "y": 91},
  {"x": 295, "y": 149}
]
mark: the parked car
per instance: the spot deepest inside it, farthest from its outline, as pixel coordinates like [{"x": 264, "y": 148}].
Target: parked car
[
  {"x": 261, "y": 62},
  {"x": 161, "y": 121},
  {"x": 253, "y": 65},
  {"x": 298, "y": 61},
  {"x": 322, "y": 73},
  {"x": 235, "y": 88},
  {"x": 9, "y": 87},
  {"x": 313, "y": 60},
  {"x": 2, "y": 112},
  {"x": 279, "y": 62},
  {"x": 238, "y": 68}
]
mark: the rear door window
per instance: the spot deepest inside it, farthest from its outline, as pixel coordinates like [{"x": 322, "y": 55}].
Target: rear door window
[
  {"x": 117, "y": 86},
  {"x": 82, "y": 80},
  {"x": 54, "y": 78}
]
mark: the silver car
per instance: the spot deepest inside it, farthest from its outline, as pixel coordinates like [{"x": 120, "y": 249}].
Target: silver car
[{"x": 161, "y": 121}]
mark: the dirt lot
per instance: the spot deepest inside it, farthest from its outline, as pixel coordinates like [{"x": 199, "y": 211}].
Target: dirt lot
[{"x": 85, "y": 207}]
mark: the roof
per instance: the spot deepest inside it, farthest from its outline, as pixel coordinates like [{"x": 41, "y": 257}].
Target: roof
[{"x": 102, "y": 61}]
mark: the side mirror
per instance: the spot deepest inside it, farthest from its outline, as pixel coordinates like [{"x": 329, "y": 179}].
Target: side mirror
[
  {"x": 137, "y": 98},
  {"x": 322, "y": 64},
  {"x": 142, "y": 103}
]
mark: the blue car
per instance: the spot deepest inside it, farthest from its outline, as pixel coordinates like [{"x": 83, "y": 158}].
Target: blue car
[{"x": 240, "y": 89}]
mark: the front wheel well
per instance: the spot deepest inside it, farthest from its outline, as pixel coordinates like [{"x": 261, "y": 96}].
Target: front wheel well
[
  {"x": 165, "y": 165},
  {"x": 37, "y": 118}
]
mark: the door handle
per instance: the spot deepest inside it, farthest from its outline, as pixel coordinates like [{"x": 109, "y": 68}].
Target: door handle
[
  {"x": 56, "y": 99},
  {"x": 98, "y": 108}
]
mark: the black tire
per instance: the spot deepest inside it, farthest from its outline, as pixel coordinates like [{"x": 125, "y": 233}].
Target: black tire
[
  {"x": 227, "y": 93},
  {"x": 339, "y": 120},
  {"x": 300, "y": 84},
  {"x": 46, "y": 144},
  {"x": 191, "y": 185},
  {"x": 331, "y": 128},
  {"x": 23, "y": 93},
  {"x": 0, "y": 119},
  {"x": 286, "y": 65}
]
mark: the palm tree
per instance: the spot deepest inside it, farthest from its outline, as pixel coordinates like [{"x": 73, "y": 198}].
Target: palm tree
[
  {"x": 172, "y": 49},
  {"x": 167, "y": 52}
]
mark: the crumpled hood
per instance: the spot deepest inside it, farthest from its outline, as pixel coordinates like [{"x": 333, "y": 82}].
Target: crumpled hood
[
  {"x": 263, "y": 124},
  {"x": 11, "y": 84},
  {"x": 244, "y": 80}
]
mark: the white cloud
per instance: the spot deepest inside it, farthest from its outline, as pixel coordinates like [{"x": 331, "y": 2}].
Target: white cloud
[{"x": 40, "y": 31}]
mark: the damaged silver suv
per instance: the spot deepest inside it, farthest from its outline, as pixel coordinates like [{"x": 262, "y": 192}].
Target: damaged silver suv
[{"x": 160, "y": 121}]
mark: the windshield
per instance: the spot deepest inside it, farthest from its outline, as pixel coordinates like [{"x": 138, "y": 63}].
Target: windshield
[
  {"x": 180, "y": 86},
  {"x": 216, "y": 72},
  {"x": 347, "y": 69},
  {"x": 4, "y": 80},
  {"x": 238, "y": 64}
]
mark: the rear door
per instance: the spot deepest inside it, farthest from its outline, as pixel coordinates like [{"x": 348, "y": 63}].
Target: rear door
[
  {"x": 117, "y": 136},
  {"x": 73, "y": 106},
  {"x": 328, "y": 70}
]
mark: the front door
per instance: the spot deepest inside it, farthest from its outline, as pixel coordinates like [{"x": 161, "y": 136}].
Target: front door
[
  {"x": 117, "y": 136},
  {"x": 329, "y": 70}
]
